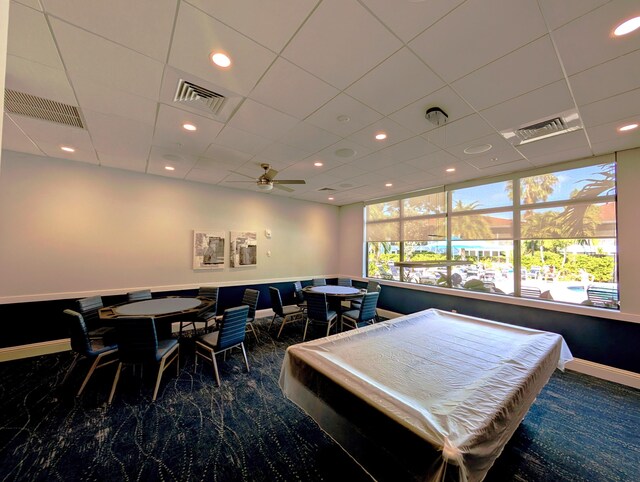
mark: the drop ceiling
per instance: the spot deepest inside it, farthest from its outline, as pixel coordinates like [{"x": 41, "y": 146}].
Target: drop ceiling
[{"x": 311, "y": 81}]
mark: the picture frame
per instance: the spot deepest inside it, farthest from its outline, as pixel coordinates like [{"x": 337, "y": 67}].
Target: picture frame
[
  {"x": 243, "y": 249},
  {"x": 208, "y": 249}
]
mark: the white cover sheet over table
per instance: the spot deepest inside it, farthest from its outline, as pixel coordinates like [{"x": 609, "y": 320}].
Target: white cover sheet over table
[{"x": 462, "y": 384}]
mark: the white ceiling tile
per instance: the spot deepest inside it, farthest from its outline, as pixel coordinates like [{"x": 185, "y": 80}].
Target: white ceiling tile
[
  {"x": 340, "y": 42},
  {"x": 560, "y": 13},
  {"x": 375, "y": 161},
  {"x": 413, "y": 116},
  {"x": 114, "y": 102},
  {"x": 53, "y": 133},
  {"x": 119, "y": 136},
  {"x": 494, "y": 158},
  {"x": 587, "y": 41},
  {"x": 205, "y": 176},
  {"x": 477, "y": 33},
  {"x": 334, "y": 153},
  {"x": 439, "y": 159},
  {"x": 612, "y": 109},
  {"x": 530, "y": 107},
  {"x": 617, "y": 144},
  {"x": 29, "y": 37},
  {"x": 347, "y": 171},
  {"x": 169, "y": 132},
  {"x": 549, "y": 146},
  {"x": 398, "y": 81},
  {"x": 15, "y": 139},
  {"x": 408, "y": 19},
  {"x": 605, "y": 80},
  {"x": 216, "y": 156},
  {"x": 271, "y": 23},
  {"x": 241, "y": 140},
  {"x": 197, "y": 35},
  {"x": 507, "y": 167},
  {"x": 145, "y": 28},
  {"x": 524, "y": 70},
  {"x": 552, "y": 157},
  {"x": 329, "y": 115},
  {"x": 105, "y": 62},
  {"x": 496, "y": 141},
  {"x": 138, "y": 164},
  {"x": 262, "y": 121},
  {"x": 289, "y": 89},
  {"x": 80, "y": 155},
  {"x": 283, "y": 153},
  {"x": 399, "y": 170},
  {"x": 160, "y": 157},
  {"x": 395, "y": 133},
  {"x": 29, "y": 3},
  {"x": 609, "y": 131},
  {"x": 462, "y": 172},
  {"x": 39, "y": 80},
  {"x": 309, "y": 138},
  {"x": 455, "y": 133}
]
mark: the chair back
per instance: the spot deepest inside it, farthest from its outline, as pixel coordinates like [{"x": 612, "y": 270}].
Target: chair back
[
  {"x": 250, "y": 298},
  {"x": 298, "y": 293},
  {"x": 344, "y": 282},
  {"x": 368, "y": 308},
  {"x": 233, "y": 327},
  {"x": 139, "y": 295},
  {"x": 317, "y": 306},
  {"x": 373, "y": 286},
  {"x": 137, "y": 339},
  {"x": 319, "y": 282},
  {"x": 77, "y": 332},
  {"x": 210, "y": 292},
  {"x": 88, "y": 307},
  {"x": 276, "y": 301}
]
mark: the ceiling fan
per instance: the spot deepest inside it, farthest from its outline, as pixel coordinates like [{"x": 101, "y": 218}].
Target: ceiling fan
[{"x": 266, "y": 181}]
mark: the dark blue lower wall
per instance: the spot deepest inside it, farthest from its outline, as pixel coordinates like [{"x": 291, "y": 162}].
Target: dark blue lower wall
[
  {"x": 600, "y": 340},
  {"x": 609, "y": 342}
]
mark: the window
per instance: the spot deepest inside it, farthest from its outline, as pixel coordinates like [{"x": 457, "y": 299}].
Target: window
[{"x": 550, "y": 236}]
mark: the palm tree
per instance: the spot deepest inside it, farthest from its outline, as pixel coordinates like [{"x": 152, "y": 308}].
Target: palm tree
[
  {"x": 473, "y": 226},
  {"x": 535, "y": 188}
]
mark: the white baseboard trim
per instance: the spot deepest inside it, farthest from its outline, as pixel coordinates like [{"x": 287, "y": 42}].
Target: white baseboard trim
[
  {"x": 605, "y": 372},
  {"x": 34, "y": 349}
]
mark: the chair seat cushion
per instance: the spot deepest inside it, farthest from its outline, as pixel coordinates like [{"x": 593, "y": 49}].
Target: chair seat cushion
[
  {"x": 98, "y": 347},
  {"x": 291, "y": 309},
  {"x": 210, "y": 339},
  {"x": 164, "y": 347},
  {"x": 353, "y": 314}
]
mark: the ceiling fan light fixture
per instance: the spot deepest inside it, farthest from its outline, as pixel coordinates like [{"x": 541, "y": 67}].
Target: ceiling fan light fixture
[{"x": 264, "y": 185}]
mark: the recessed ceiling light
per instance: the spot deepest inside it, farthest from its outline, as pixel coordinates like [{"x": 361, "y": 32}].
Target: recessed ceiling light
[
  {"x": 318, "y": 164},
  {"x": 381, "y": 136},
  {"x": 451, "y": 169},
  {"x": 68, "y": 149},
  {"x": 170, "y": 168},
  {"x": 220, "y": 59},
  {"x": 629, "y": 127},
  {"x": 343, "y": 118},
  {"x": 189, "y": 127},
  {"x": 388, "y": 184},
  {"x": 345, "y": 152},
  {"x": 331, "y": 199},
  {"x": 627, "y": 26},
  {"x": 479, "y": 149}
]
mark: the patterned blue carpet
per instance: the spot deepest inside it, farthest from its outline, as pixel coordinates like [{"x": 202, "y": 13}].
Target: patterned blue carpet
[{"x": 579, "y": 429}]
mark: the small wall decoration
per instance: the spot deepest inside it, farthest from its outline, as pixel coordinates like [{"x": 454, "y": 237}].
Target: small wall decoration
[
  {"x": 208, "y": 249},
  {"x": 244, "y": 248}
]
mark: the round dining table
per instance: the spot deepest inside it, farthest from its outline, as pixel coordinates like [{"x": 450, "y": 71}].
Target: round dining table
[{"x": 164, "y": 311}]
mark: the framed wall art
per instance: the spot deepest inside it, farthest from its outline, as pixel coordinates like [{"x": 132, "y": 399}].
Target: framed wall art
[
  {"x": 208, "y": 249},
  {"x": 244, "y": 248}
]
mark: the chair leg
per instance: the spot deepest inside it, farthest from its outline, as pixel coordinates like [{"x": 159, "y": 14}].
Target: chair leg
[
  {"x": 215, "y": 367},
  {"x": 306, "y": 325},
  {"x": 284, "y": 321},
  {"x": 253, "y": 329},
  {"x": 244, "y": 353},
  {"x": 272, "y": 320},
  {"x": 115, "y": 382},
  {"x": 73, "y": 365},
  {"x": 91, "y": 370},
  {"x": 158, "y": 378}
]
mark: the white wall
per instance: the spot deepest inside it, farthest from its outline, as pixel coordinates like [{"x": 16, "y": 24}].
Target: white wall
[
  {"x": 4, "y": 31},
  {"x": 71, "y": 228}
]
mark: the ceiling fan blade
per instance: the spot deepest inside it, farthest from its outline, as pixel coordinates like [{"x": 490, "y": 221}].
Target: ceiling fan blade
[
  {"x": 270, "y": 174},
  {"x": 283, "y": 188},
  {"x": 288, "y": 181}
]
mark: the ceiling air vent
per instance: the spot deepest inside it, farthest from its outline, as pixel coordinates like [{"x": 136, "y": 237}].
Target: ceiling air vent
[
  {"x": 562, "y": 123},
  {"x": 40, "y": 108},
  {"x": 190, "y": 93},
  {"x": 325, "y": 189}
]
